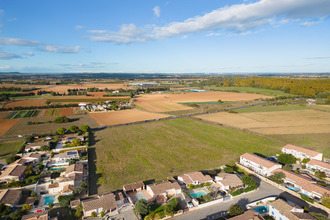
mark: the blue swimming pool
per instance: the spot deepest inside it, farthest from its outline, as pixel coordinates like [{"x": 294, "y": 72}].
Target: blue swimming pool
[
  {"x": 198, "y": 194},
  {"x": 140, "y": 196},
  {"x": 261, "y": 209},
  {"x": 291, "y": 188},
  {"x": 49, "y": 199}
]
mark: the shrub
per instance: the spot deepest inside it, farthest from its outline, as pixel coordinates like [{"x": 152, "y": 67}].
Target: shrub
[
  {"x": 277, "y": 177},
  {"x": 64, "y": 200},
  {"x": 307, "y": 199},
  {"x": 232, "y": 111},
  {"x": 248, "y": 189},
  {"x": 249, "y": 181},
  {"x": 229, "y": 170},
  {"x": 26, "y": 207},
  {"x": 62, "y": 119},
  {"x": 11, "y": 158},
  {"x": 74, "y": 129},
  {"x": 61, "y": 131},
  {"x": 305, "y": 160},
  {"x": 190, "y": 186},
  {"x": 85, "y": 128},
  {"x": 235, "y": 210},
  {"x": 36, "y": 202},
  {"x": 142, "y": 206},
  {"x": 236, "y": 193},
  {"x": 51, "y": 205},
  {"x": 94, "y": 214},
  {"x": 326, "y": 200},
  {"x": 102, "y": 214}
]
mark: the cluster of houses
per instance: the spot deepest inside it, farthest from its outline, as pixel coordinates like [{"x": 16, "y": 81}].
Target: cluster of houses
[{"x": 102, "y": 107}]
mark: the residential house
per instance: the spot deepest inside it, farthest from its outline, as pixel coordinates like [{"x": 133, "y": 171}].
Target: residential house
[
  {"x": 105, "y": 203},
  {"x": 13, "y": 173},
  {"x": 317, "y": 165},
  {"x": 258, "y": 164},
  {"x": 281, "y": 210},
  {"x": 133, "y": 187},
  {"x": 248, "y": 215},
  {"x": 228, "y": 181},
  {"x": 160, "y": 191},
  {"x": 301, "y": 153},
  {"x": 33, "y": 146},
  {"x": 74, "y": 203},
  {"x": 65, "y": 157},
  {"x": 76, "y": 172},
  {"x": 194, "y": 178},
  {"x": 69, "y": 137},
  {"x": 68, "y": 190},
  {"x": 120, "y": 200},
  {"x": 32, "y": 158},
  {"x": 303, "y": 185},
  {"x": 43, "y": 215},
  {"x": 10, "y": 197}
]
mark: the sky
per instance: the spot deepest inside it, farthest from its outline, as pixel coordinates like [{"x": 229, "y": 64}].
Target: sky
[{"x": 165, "y": 36}]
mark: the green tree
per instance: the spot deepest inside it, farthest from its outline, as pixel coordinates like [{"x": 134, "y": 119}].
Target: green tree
[
  {"x": 220, "y": 101},
  {"x": 169, "y": 210},
  {"x": 16, "y": 215},
  {"x": 79, "y": 210},
  {"x": 26, "y": 207},
  {"x": 74, "y": 129},
  {"x": 321, "y": 175},
  {"x": 61, "y": 119},
  {"x": 94, "y": 214},
  {"x": 11, "y": 158},
  {"x": 4, "y": 210},
  {"x": 64, "y": 200},
  {"x": 102, "y": 214},
  {"x": 52, "y": 154},
  {"x": 326, "y": 200},
  {"x": 61, "y": 131},
  {"x": 76, "y": 142},
  {"x": 85, "y": 128},
  {"x": 142, "y": 206},
  {"x": 249, "y": 181},
  {"x": 286, "y": 159},
  {"x": 235, "y": 210},
  {"x": 277, "y": 177},
  {"x": 50, "y": 205},
  {"x": 229, "y": 170}
]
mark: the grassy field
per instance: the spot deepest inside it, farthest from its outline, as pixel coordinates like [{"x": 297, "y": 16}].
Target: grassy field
[
  {"x": 95, "y": 100},
  {"x": 272, "y": 108},
  {"x": 23, "y": 114},
  {"x": 27, "y": 97},
  {"x": 249, "y": 90},
  {"x": 127, "y": 154},
  {"x": 10, "y": 146},
  {"x": 204, "y": 103}
]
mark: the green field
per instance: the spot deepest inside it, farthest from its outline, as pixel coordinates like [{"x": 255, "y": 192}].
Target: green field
[
  {"x": 27, "y": 97},
  {"x": 204, "y": 103},
  {"x": 88, "y": 100},
  {"x": 127, "y": 154},
  {"x": 50, "y": 112},
  {"x": 272, "y": 108},
  {"x": 10, "y": 146},
  {"x": 23, "y": 114},
  {"x": 249, "y": 90}
]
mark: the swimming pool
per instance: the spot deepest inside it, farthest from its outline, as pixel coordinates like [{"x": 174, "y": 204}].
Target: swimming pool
[
  {"x": 261, "y": 209},
  {"x": 198, "y": 194},
  {"x": 140, "y": 196},
  {"x": 49, "y": 199},
  {"x": 56, "y": 168},
  {"x": 291, "y": 188}
]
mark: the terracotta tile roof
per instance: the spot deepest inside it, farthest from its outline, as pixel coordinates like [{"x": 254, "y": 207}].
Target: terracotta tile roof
[
  {"x": 248, "y": 215},
  {"x": 17, "y": 170},
  {"x": 229, "y": 179},
  {"x": 74, "y": 203},
  {"x": 301, "y": 149},
  {"x": 133, "y": 186},
  {"x": 319, "y": 163},
  {"x": 68, "y": 188},
  {"x": 306, "y": 183},
  {"x": 304, "y": 216},
  {"x": 159, "y": 188},
  {"x": 77, "y": 167},
  {"x": 54, "y": 185},
  {"x": 189, "y": 178},
  {"x": 282, "y": 206},
  {"x": 10, "y": 196},
  {"x": 30, "y": 200},
  {"x": 36, "y": 216},
  {"x": 107, "y": 202},
  {"x": 259, "y": 160},
  {"x": 33, "y": 155}
]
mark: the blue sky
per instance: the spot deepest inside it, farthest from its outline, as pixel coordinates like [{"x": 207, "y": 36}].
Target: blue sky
[{"x": 174, "y": 36}]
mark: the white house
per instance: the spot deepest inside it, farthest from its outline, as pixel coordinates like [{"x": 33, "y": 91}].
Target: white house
[
  {"x": 281, "y": 210},
  {"x": 66, "y": 156},
  {"x": 258, "y": 164},
  {"x": 319, "y": 166},
  {"x": 194, "y": 178},
  {"x": 160, "y": 191},
  {"x": 301, "y": 153},
  {"x": 228, "y": 181}
]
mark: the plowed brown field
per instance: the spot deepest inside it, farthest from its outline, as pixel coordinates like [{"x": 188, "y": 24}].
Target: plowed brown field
[
  {"x": 169, "y": 102},
  {"x": 66, "y": 111},
  {"x": 124, "y": 116},
  {"x": 5, "y": 125},
  {"x": 64, "y": 88},
  {"x": 25, "y": 103}
]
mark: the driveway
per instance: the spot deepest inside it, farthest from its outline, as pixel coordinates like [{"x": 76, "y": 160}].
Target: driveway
[{"x": 215, "y": 211}]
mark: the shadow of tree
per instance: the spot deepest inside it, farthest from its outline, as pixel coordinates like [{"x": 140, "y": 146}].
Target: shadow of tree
[{"x": 93, "y": 177}]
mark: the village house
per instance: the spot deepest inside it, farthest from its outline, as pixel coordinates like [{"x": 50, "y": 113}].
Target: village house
[
  {"x": 43, "y": 215},
  {"x": 133, "y": 187},
  {"x": 160, "y": 191},
  {"x": 228, "y": 181},
  {"x": 34, "y": 146},
  {"x": 194, "y": 178},
  {"x": 76, "y": 172},
  {"x": 303, "y": 185},
  {"x": 301, "y": 153},
  {"x": 281, "y": 210},
  {"x": 61, "y": 185},
  {"x": 105, "y": 203},
  {"x": 13, "y": 173},
  {"x": 10, "y": 197},
  {"x": 248, "y": 215},
  {"x": 32, "y": 158},
  {"x": 258, "y": 164},
  {"x": 65, "y": 157},
  {"x": 317, "y": 165},
  {"x": 69, "y": 137}
]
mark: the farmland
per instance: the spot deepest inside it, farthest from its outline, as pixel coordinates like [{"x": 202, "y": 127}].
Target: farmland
[
  {"x": 67, "y": 99},
  {"x": 64, "y": 88},
  {"x": 10, "y": 146},
  {"x": 25, "y": 103},
  {"x": 167, "y": 148},
  {"x": 124, "y": 116},
  {"x": 6, "y": 125},
  {"x": 23, "y": 114},
  {"x": 249, "y": 90}
]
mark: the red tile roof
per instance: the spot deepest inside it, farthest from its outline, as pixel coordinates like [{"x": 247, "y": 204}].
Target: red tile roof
[
  {"x": 189, "y": 178},
  {"x": 319, "y": 163},
  {"x": 259, "y": 160},
  {"x": 301, "y": 149},
  {"x": 159, "y": 188}
]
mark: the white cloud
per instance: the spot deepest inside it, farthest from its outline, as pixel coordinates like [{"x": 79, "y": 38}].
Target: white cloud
[
  {"x": 18, "y": 42},
  {"x": 309, "y": 23},
  {"x": 59, "y": 49},
  {"x": 319, "y": 58},
  {"x": 29, "y": 54},
  {"x": 4, "y": 67},
  {"x": 238, "y": 18},
  {"x": 156, "y": 10},
  {"x": 213, "y": 34},
  {"x": 79, "y": 27},
  {"x": 8, "y": 56},
  {"x": 1, "y": 14},
  {"x": 97, "y": 31}
]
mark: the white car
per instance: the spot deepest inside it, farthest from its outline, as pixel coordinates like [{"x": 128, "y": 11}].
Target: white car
[
  {"x": 20, "y": 136},
  {"x": 48, "y": 138}
]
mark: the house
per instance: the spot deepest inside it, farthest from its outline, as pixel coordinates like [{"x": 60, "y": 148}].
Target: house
[
  {"x": 10, "y": 197},
  {"x": 194, "y": 178},
  {"x": 248, "y": 215},
  {"x": 68, "y": 190},
  {"x": 13, "y": 173},
  {"x": 66, "y": 156},
  {"x": 228, "y": 181},
  {"x": 120, "y": 200},
  {"x": 163, "y": 189},
  {"x": 43, "y": 215},
  {"x": 74, "y": 203},
  {"x": 105, "y": 203},
  {"x": 69, "y": 137},
  {"x": 32, "y": 158},
  {"x": 33, "y": 146},
  {"x": 281, "y": 210},
  {"x": 303, "y": 185},
  {"x": 317, "y": 165},
  {"x": 77, "y": 172},
  {"x": 301, "y": 153},
  {"x": 258, "y": 164},
  {"x": 133, "y": 187}
]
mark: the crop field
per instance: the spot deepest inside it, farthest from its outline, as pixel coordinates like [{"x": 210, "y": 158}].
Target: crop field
[
  {"x": 5, "y": 125},
  {"x": 170, "y": 102},
  {"x": 278, "y": 122},
  {"x": 23, "y": 128},
  {"x": 68, "y": 99},
  {"x": 124, "y": 116},
  {"x": 64, "y": 88},
  {"x": 4, "y": 115},
  {"x": 23, "y": 114},
  {"x": 10, "y": 146},
  {"x": 65, "y": 111},
  {"x": 128, "y": 154},
  {"x": 272, "y": 108},
  {"x": 249, "y": 90},
  {"x": 25, "y": 103}
]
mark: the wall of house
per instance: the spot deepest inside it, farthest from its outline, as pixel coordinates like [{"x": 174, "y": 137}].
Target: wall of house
[{"x": 276, "y": 214}]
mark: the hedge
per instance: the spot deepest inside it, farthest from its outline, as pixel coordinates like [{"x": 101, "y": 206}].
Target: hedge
[
  {"x": 237, "y": 192},
  {"x": 306, "y": 198}
]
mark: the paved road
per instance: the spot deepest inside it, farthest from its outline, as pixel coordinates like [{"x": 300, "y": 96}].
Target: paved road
[{"x": 211, "y": 212}]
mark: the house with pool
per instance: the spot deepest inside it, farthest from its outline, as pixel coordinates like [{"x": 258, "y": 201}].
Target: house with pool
[
  {"x": 160, "y": 191},
  {"x": 228, "y": 181},
  {"x": 258, "y": 164},
  {"x": 281, "y": 210},
  {"x": 136, "y": 191},
  {"x": 194, "y": 178},
  {"x": 10, "y": 197}
]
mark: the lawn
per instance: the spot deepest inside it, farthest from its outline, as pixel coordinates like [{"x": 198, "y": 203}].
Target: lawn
[
  {"x": 249, "y": 90},
  {"x": 8, "y": 146},
  {"x": 272, "y": 108},
  {"x": 167, "y": 148}
]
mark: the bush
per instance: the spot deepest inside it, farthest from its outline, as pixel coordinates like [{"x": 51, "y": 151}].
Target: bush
[
  {"x": 94, "y": 214},
  {"x": 61, "y": 131},
  {"x": 248, "y": 189},
  {"x": 85, "y": 128},
  {"x": 232, "y": 111},
  {"x": 326, "y": 200},
  {"x": 249, "y": 181},
  {"x": 11, "y": 158},
  {"x": 318, "y": 216},
  {"x": 64, "y": 200},
  {"x": 26, "y": 207},
  {"x": 102, "y": 214},
  {"x": 307, "y": 198},
  {"x": 142, "y": 206},
  {"x": 277, "y": 177},
  {"x": 305, "y": 160},
  {"x": 235, "y": 210},
  {"x": 74, "y": 129},
  {"x": 236, "y": 193},
  {"x": 51, "y": 205},
  {"x": 62, "y": 119},
  {"x": 229, "y": 170}
]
